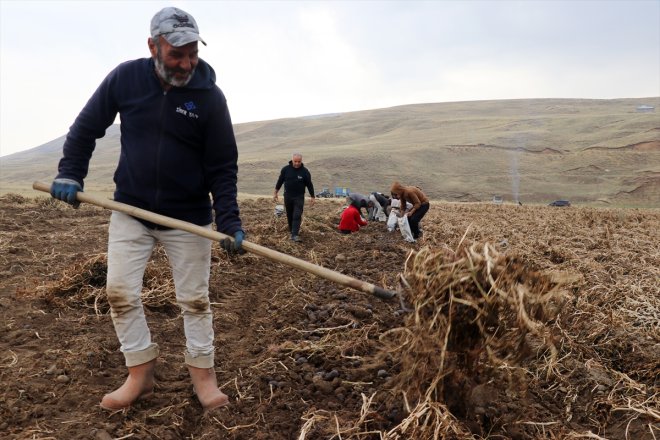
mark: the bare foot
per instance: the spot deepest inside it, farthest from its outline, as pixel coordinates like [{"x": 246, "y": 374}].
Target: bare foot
[{"x": 139, "y": 384}]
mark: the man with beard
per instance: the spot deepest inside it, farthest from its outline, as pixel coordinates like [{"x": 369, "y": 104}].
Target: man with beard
[{"x": 177, "y": 146}]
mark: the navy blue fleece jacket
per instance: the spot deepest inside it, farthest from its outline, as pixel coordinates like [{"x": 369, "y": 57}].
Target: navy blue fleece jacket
[
  {"x": 177, "y": 146},
  {"x": 295, "y": 181}
]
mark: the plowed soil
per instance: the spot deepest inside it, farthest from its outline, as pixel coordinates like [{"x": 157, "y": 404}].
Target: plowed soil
[{"x": 304, "y": 358}]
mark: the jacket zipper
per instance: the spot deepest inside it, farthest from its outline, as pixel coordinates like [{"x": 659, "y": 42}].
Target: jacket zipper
[{"x": 158, "y": 150}]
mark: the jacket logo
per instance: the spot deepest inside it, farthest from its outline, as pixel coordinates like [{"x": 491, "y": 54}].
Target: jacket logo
[{"x": 188, "y": 111}]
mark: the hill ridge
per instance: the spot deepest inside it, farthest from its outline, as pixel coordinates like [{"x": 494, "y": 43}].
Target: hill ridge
[{"x": 533, "y": 148}]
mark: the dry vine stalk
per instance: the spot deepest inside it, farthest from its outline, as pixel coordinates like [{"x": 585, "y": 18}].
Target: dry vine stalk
[
  {"x": 473, "y": 309},
  {"x": 83, "y": 285},
  {"x": 429, "y": 420}
]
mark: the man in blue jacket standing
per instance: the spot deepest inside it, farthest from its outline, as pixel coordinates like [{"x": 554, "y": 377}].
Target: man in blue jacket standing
[
  {"x": 177, "y": 146},
  {"x": 295, "y": 178}
]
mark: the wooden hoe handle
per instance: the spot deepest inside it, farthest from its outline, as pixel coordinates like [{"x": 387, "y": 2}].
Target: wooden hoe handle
[{"x": 297, "y": 263}]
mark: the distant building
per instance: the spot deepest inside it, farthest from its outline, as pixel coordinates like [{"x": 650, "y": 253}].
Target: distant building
[
  {"x": 645, "y": 108},
  {"x": 498, "y": 200}
]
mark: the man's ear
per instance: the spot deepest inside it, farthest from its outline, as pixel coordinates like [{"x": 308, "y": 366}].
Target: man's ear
[{"x": 152, "y": 47}]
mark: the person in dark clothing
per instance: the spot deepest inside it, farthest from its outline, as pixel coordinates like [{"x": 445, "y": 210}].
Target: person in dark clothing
[
  {"x": 360, "y": 201},
  {"x": 295, "y": 178},
  {"x": 379, "y": 203},
  {"x": 177, "y": 147}
]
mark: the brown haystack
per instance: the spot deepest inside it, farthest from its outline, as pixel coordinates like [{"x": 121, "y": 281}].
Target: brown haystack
[
  {"x": 465, "y": 304},
  {"x": 472, "y": 310}
]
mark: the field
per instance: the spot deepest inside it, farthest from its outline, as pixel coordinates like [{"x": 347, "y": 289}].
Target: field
[{"x": 513, "y": 322}]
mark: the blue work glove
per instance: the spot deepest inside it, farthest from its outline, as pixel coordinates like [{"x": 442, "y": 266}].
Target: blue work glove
[
  {"x": 65, "y": 190},
  {"x": 236, "y": 246}
]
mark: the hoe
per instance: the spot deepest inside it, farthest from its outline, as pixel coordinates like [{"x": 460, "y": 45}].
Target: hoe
[{"x": 262, "y": 251}]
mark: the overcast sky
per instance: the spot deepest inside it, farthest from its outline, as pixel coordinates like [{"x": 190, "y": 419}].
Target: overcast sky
[{"x": 277, "y": 59}]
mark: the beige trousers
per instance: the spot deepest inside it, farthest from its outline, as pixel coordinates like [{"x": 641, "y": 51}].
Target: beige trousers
[{"x": 130, "y": 245}]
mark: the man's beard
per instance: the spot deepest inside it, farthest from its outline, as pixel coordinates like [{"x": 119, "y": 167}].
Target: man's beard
[{"x": 169, "y": 75}]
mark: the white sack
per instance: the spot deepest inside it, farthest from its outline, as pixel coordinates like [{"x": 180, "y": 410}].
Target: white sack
[
  {"x": 391, "y": 221},
  {"x": 404, "y": 227}
]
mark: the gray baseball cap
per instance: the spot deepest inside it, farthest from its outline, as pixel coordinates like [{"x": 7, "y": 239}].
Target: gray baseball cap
[{"x": 176, "y": 26}]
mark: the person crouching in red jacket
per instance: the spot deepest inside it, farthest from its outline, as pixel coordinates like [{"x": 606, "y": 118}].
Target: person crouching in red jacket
[{"x": 351, "y": 220}]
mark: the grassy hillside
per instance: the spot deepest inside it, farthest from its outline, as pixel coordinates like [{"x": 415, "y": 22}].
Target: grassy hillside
[{"x": 590, "y": 151}]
